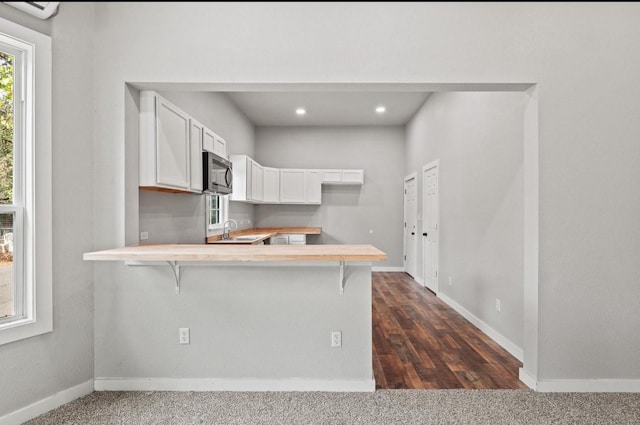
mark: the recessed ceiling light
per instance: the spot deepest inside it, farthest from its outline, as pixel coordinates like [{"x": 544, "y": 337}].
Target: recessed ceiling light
[
  {"x": 301, "y": 111},
  {"x": 381, "y": 109}
]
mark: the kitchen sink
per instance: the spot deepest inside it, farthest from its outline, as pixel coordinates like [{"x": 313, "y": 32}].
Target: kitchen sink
[{"x": 248, "y": 237}]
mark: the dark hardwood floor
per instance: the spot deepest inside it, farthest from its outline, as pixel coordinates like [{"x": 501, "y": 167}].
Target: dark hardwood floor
[{"x": 421, "y": 342}]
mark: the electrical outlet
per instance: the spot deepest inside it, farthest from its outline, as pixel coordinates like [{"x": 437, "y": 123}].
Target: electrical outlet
[
  {"x": 183, "y": 335},
  {"x": 450, "y": 282},
  {"x": 144, "y": 236},
  {"x": 336, "y": 338},
  {"x": 498, "y": 305}
]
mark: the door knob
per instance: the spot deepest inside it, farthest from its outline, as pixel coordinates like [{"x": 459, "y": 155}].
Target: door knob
[{"x": 424, "y": 234}]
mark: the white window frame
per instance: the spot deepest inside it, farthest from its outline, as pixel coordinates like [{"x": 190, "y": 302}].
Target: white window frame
[
  {"x": 214, "y": 229},
  {"x": 32, "y": 198}
]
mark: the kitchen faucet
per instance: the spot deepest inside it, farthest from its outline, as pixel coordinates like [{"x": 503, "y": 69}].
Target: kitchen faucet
[{"x": 227, "y": 234}]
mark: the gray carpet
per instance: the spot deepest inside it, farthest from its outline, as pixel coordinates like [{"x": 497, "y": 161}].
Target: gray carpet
[{"x": 491, "y": 407}]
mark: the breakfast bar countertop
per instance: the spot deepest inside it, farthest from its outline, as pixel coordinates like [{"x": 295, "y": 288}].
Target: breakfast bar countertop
[{"x": 215, "y": 253}]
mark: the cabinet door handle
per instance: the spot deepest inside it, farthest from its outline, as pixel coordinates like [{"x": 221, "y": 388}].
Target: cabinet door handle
[
  {"x": 424, "y": 234},
  {"x": 413, "y": 233}
]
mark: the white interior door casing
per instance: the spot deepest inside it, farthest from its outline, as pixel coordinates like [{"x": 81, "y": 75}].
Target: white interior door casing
[
  {"x": 410, "y": 224},
  {"x": 430, "y": 225}
]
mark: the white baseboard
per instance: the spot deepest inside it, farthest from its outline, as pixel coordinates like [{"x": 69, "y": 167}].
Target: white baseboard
[
  {"x": 387, "y": 269},
  {"x": 196, "y": 384},
  {"x": 589, "y": 386},
  {"x": 528, "y": 379},
  {"x": 503, "y": 341},
  {"x": 43, "y": 406}
]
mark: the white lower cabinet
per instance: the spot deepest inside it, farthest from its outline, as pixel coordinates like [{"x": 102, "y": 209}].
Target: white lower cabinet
[
  {"x": 297, "y": 239},
  {"x": 289, "y": 239},
  {"x": 279, "y": 240}
]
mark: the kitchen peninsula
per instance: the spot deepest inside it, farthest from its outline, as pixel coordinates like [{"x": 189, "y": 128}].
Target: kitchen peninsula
[{"x": 261, "y": 317}]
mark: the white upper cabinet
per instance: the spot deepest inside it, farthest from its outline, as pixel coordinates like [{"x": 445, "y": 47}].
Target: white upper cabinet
[
  {"x": 271, "y": 185},
  {"x": 214, "y": 143},
  {"x": 257, "y": 176},
  {"x": 248, "y": 178},
  {"x": 241, "y": 178},
  {"x": 196, "y": 132},
  {"x": 331, "y": 176},
  {"x": 343, "y": 177},
  {"x": 312, "y": 186},
  {"x": 257, "y": 184},
  {"x": 165, "y": 145},
  {"x": 299, "y": 186},
  {"x": 292, "y": 186},
  {"x": 352, "y": 176}
]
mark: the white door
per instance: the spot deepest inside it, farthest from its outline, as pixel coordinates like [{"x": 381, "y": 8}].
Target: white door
[
  {"x": 430, "y": 219},
  {"x": 410, "y": 224}
]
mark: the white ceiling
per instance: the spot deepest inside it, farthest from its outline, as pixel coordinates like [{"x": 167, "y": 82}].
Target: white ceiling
[{"x": 328, "y": 108}]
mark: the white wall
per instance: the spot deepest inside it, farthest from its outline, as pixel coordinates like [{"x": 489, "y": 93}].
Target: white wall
[
  {"x": 587, "y": 87},
  {"x": 347, "y": 213},
  {"x": 38, "y": 367},
  {"x": 180, "y": 218},
  {"x": 248, "y": 323},
  {"x": 478, "y": 138}
]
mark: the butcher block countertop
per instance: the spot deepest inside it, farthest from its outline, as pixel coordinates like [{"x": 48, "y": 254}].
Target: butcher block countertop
[
  {"x": 266, "y": 231},
  {"x": 204, "y": 252}
]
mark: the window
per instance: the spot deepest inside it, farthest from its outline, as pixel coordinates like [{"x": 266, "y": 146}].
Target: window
[
  {"x": 217, "y": 212},
  {"x": 25, "y": 193},
  {"x": 10, "y": 195}
]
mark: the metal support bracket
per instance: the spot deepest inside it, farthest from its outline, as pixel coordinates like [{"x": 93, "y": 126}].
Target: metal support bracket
[
  {"x": 341, "y": 278},
  {"x": 175, "y": 267}
]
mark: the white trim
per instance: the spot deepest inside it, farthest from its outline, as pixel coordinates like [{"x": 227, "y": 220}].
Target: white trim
[
  {"x": 215, "y": 229},
  {"x": 407, "y": 178},
  {"x": 503, "y": 341},
  {"x": 215, "y": 384},
  {"x": 387, "y": 269},
  {"x": 589, "y": 385},
  {"x": 531, "y": 263},
  {"x": 37, "y": 202},
  {"x": 46, "y": 404},
  {"x": 49, "y": 8},
  {"x": 528, "y": 379}
]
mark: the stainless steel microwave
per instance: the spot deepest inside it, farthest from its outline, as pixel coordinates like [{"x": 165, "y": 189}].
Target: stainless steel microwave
[{"x": 217, "y": 174}]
